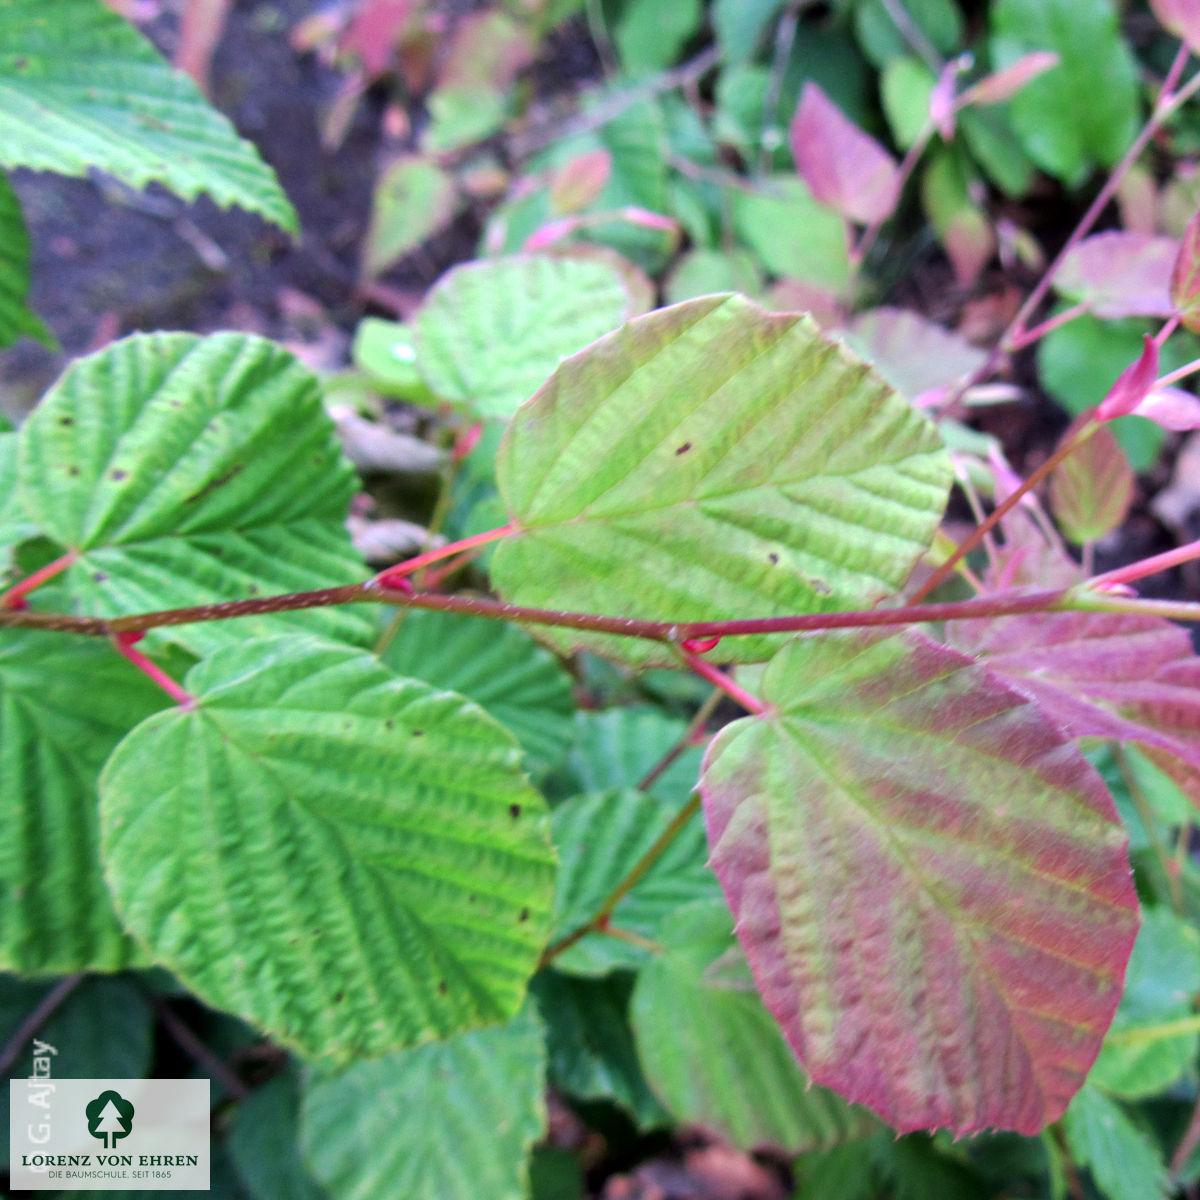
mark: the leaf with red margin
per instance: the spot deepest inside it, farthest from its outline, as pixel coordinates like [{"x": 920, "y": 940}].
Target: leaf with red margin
[
  {"x": 1092, "y": 488},
  {"x": 1118, "y": 274},
  {"x": 844, "y": 167},
  {"x": 929, "y": 880},
  {"x": 1109, "y": 675},
  {"x": 1185, "y": 277}
]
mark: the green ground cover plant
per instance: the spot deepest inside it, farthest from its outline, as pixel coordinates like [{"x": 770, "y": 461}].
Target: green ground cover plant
[{"x": 699, "y": 767}]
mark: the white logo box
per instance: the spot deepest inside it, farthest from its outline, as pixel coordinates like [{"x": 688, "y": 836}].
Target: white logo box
[{"x": 82, "y": 1135}]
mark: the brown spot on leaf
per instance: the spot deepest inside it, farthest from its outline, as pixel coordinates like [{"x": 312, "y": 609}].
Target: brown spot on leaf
[
  {"x": 684, "y": 448},
  {"x": 514, "y": 811},
  {"x": 118, "y": 474}
]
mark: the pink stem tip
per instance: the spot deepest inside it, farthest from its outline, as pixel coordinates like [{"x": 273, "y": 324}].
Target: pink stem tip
[
  {"x": 395, "y": 577},
  {"x": 15, "y": 596},
  {"x": 124, "y": 643}
]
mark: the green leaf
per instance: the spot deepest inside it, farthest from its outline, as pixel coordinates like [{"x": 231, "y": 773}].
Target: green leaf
[
  {"x": 103, "y": 1029},
  {"x": 988, "y": 134},
  {"x": 592, "y": 1056},
  {"x": 618, "y": 747},
  {"x": 713, "y": 1053},
  {"x": 1163, "y": 977},
  {"x": 412, "y": 200},
  {"x": 1064, "y": 120},
  {"x": 792, "y": 234},
  {"x": 906, "y": 85},
  {"x": 713, "y": 461},
  {"x": 599, "y": 839},
  {"x": 930, "y": 881},
  {"x": 55, "y": 734},
  {"x": 490, "y": 332},
  {"x": 450, "y": 1121},
  {"x": 702, "y": 272},
  {"x": 264, "y": 1143},
  {"x": 186, "y": 470},
  {"x": 740, "y": 26},
  {"x": 352, "y": 861},
  {"x": 939, "y": 21},
  {"x": 14, "y": 526},
  {"x": 1122, "y": 1160},
  {"x": 499, "y": 667},
  {"x": 16, "y": 320},
  {"x": 385, "y": 350},
  {"x": 844, "y": 1171},
  {"x": 81, "y": 89},
  {"x": 650, "y": 35}
]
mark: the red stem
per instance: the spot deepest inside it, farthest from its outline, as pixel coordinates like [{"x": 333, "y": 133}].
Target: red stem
[
  {"x": 719, "y": 679},
  {"x": 124, "y": 644},
  {"x": 1002, "y": 509},
  {"x": 403, "y": 569},
  {"x": 15, "y": 596},
  {"x": 1004, "y": 605},
  {"x": 1147, "y": 566}
]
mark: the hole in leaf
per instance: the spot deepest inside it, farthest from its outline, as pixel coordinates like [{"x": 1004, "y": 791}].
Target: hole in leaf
[
  {"x": 99, "y": 577},
  {"x": 443, "y": 987},
  {"x": 66, "y": 420},
  {"x": 338, "y": 997},
  {"x": 418, "y": 733},
  {"x": 773, "y": 557},
  {"x": 514, "y": 811},
  {"x": 524, "y": 915}
]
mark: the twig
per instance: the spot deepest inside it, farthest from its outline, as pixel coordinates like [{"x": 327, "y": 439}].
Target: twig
[
  {"x": 193, "y": 1046},
  {"x": 695, "y": 725},
  {"x": 1003, "y": 604},
  {"x": 785, "y": 37},
  {"x": 44, "y": 1010},
  {"x": 522, "y": 145},
  {"x": 599, "y": 921}
]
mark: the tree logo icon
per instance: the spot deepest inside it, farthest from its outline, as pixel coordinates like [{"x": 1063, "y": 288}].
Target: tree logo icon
[{"x": 109, "y": 1117}]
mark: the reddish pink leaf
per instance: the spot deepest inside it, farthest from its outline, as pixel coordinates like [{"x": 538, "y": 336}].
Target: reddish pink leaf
[
  {"x": 942, "y": 106},
  {"x": 844, "y": 167},
  {"x": 1172, "y": 408},
  {"x": 970, "y": 243},
  {"x": 929, "y": 880},
  {"x": 579, "y": 182},
  {"x": 1185, "y": 277},
  {"x": 1180, "y": 17},
  {"x": 1005, "y": 84},
  {"x": 373, "y": 32},
  {"x": 1110, "y": 675},
  {"x": 1133, "y": 384},
  {"x": 913, "y": 354},
  {"x": 1121, "y": 274},
  {"x": 1092, "y": 489},
  {"x": 487, "y": 50},
  {"x": 649, "y": 220},
  {"x": 552, "y": 231}
]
